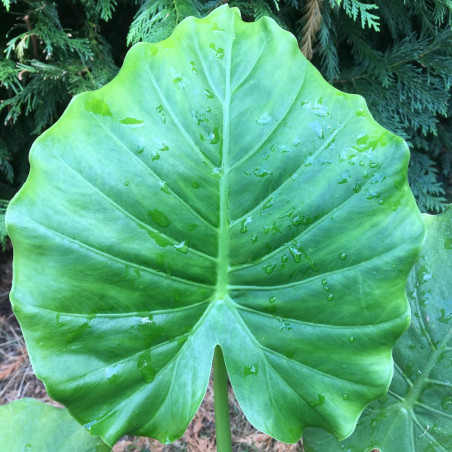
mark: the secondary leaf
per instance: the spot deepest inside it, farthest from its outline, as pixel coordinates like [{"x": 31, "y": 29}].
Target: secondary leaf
[
  {"x": 416, "y": 415},
  {"x": 31, "y": 425},
  {"x": 209, "y": 195}
]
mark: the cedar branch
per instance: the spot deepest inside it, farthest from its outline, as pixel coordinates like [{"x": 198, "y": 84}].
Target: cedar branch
[{"x": 313, "y": 22}]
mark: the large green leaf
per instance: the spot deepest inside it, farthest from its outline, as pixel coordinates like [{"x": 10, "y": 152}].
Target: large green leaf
[
  {"x": 416, "y": 415},
  {"x": 29, "y": 425},
  {"x": 217, "y": 191}
]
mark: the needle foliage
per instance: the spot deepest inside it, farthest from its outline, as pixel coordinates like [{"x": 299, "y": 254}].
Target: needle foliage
[{"x": 398, "y": 55}]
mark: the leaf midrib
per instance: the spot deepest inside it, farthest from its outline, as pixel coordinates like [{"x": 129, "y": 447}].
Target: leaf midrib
[
  {"x": 225, "y": 223},
  {"x": 415, "y": 391},
  {"x": 410, "y": 401}
]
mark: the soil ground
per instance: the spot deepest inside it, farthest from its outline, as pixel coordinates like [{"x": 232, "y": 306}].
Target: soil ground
[{"x": 17, "y": 380}]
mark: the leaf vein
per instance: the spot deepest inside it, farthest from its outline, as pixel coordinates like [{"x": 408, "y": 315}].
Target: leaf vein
[
  {"x": 425, "y": 432},
  {"x": 125, "y": 314},
  {"x": 271, "y": 131},
  {"x": 400, "y": 371},
  {"x": 155, "y": 176},
  {"x": 297, "y": 173},
  {"x": 253, "y": 65},
  {"x": 311, "y": 324},
  {"x": 261, "y": 351},
  {"x": 118, "y": 259},
  {"x": 138, "y": 222},
  {"x": 203, "y": 64},
  {"x": 205, "y": 159},
  {"x": 433, "y": 410},
  {"x": 312, "y": 278},
  {"x": 299, "y": 236}
]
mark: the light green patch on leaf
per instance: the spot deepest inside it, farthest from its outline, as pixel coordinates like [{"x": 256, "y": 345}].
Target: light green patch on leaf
[
  {"x": 30, "y": 425},
  {"x": 416, "y": 414},
  {"x": 255, "y": 207}
]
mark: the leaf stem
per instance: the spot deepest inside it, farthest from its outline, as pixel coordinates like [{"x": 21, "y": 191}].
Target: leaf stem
[{"x": 220, "y": 390}]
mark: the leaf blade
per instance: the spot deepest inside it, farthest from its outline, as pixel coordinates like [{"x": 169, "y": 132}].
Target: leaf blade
[
  {"x": 416, "y": 408},
  {"x": 194, "y": 209}
]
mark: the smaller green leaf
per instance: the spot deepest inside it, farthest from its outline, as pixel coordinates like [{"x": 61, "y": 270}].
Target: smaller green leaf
[
  {"x": 416, "y": 415},
  {"x": 30, "y": 425}
]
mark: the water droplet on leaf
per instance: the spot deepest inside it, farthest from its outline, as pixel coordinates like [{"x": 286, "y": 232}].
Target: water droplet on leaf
[
  {"x": 216, "y": 28},
  {"x": 360, "y": 113},
  {"x": 245, "y": 224},
  {"x": 269, "y": 268},
  {"x": 317, "y": 129},
  {"x": 131, "y": 121},
  {"x": 208, "y": 94},
  {"x": 296, "y": 254},
  {"x": 182, "y": 247},
  {"x": 285, "y": 325},
  {"x": 214, "y": 136},
  {"x": 264, "y": 119},
  {"x": 159, "y": 218},
  {"x": 193, "y": 67},
  {"x": 219, "y": 53},
  {"x": 253, "y": 369},
  {"x": 217, "y": 172},
  {"x": 164, "y": 188},
  {"x": 446, "y": 402},
  {"x": 145, "y": 367},
  {"x": 98, "y": 107},
  {"x": 112, "y": 374},
  {"x": 262, "y": 173},
  {"x": 320, "y": 400}
]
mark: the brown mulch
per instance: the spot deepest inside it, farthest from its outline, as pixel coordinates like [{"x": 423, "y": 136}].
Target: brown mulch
[{"x": 17, "y": 380}]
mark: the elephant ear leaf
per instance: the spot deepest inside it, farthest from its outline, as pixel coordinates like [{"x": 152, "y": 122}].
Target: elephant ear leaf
[
  {"x": 28, "y": 425},
  {"x": 217, "y": 191},
  {"x": 416, "y": 414}
]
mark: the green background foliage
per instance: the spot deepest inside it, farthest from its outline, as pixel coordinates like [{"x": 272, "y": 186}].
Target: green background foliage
[{"x": 398, "y": 55}]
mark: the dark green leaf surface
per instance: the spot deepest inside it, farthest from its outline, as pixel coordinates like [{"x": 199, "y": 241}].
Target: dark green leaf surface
[
  {"x": 29, "y": 425},
  {"x": 217, "y": 191},
  {"x": 416, "y": 415}
]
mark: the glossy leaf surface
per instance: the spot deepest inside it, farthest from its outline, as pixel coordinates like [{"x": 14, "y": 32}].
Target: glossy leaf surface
[
  {"x": 217, "y": 191},
  {"x": 416, "y": 415},
  {"x": 29, "y": 425}
]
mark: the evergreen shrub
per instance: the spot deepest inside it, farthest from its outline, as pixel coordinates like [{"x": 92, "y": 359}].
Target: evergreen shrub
[{"x": 398, "y": 55}]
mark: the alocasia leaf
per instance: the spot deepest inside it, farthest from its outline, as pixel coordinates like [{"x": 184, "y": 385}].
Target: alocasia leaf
[
  {"x": 416, "y": 415},
  {"x": 30, "y": 425},
  {"x": 217, "y": 191}
]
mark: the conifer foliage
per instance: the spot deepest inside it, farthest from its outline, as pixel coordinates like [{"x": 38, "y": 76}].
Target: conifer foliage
[{"x": 398, "y": 55}]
